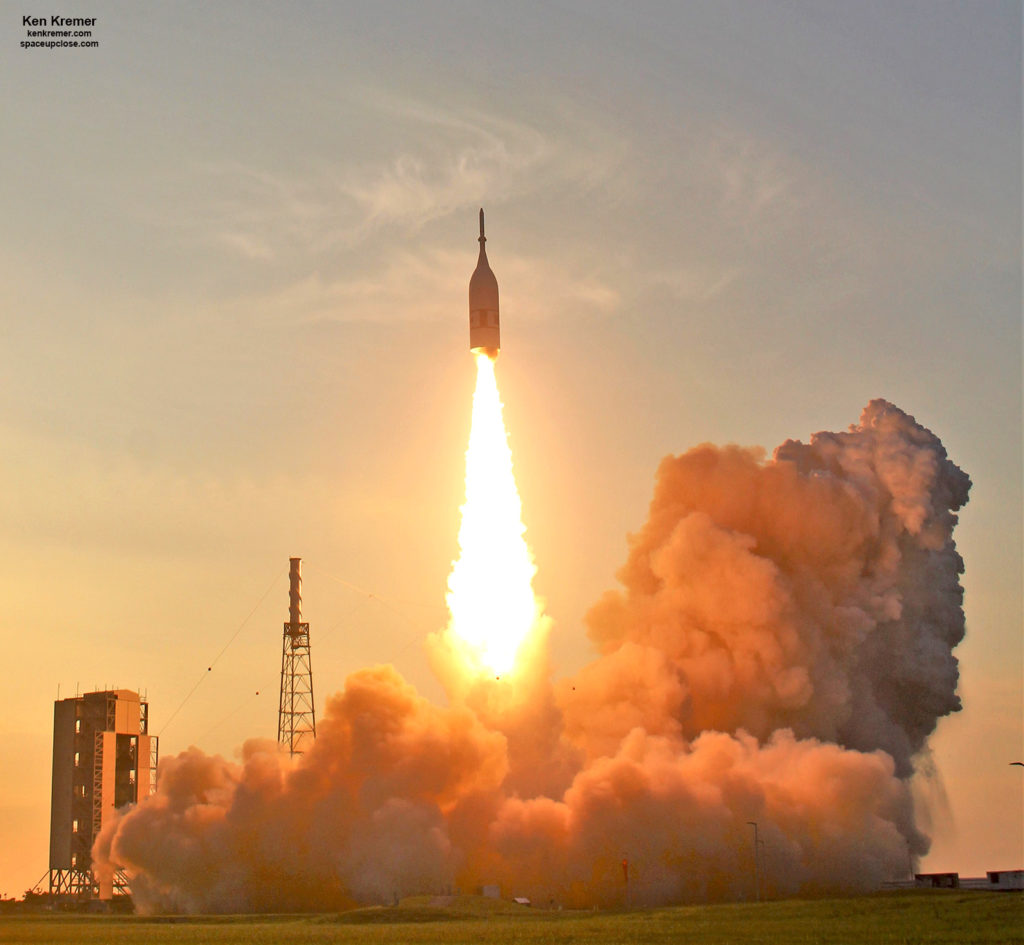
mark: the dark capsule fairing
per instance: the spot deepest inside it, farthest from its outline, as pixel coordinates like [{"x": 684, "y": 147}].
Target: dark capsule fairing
[{"x": 484, "y": 334}]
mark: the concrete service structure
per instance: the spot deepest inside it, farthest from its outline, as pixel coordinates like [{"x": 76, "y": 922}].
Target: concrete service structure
[
  {"x": 103, "y": 758},
  {"x": 992, "y": 881}
]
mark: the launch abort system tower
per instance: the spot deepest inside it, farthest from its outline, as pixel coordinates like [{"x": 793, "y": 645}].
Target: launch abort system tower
[
  {"x": 296, "y": 716},
  {"x": 103, "y": 758}
]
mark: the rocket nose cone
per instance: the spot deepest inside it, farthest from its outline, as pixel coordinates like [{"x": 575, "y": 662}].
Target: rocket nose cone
[
  {"x": 483, "y": 287},
  {"x": 484, "y": 331}
]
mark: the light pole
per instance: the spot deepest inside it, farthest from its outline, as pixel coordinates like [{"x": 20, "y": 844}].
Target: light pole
[{"x": 757, "y": 884}]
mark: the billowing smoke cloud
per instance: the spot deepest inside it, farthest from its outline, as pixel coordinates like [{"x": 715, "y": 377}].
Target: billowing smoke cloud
[
  {"x": 818, "y": 592},
  {"x": 779, "y": 652}
]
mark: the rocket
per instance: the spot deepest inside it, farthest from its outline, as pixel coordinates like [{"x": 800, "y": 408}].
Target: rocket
[{"x": 483, "y": 304}]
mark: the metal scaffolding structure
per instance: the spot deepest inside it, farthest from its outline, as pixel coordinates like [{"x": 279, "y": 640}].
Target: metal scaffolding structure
[{"x": 296, "y": 715}]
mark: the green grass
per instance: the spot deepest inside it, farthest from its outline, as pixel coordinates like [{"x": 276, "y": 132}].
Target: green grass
[{"x": 957, "y": 918}]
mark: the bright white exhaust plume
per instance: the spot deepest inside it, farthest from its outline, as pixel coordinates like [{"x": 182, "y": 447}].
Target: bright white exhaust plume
[{"x": 490, "y": 592}]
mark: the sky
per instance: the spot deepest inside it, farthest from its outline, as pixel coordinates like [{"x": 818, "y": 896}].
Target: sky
[{"x": 235, "y": 241}]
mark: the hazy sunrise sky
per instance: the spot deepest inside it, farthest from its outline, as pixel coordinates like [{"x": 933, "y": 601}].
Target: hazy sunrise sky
[{"x": 235, "y": 242}]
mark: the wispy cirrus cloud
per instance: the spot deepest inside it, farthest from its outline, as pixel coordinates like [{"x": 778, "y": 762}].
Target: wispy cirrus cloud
[
  {"x": 753, "y": 176},
  {"x": 430, "y": 286},
  {"x": 693, "y": 284},
  {"x": 449, "y": 161}
]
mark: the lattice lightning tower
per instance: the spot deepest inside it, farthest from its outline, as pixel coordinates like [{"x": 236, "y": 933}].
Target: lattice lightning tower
[{"x": 296, "y": 716}]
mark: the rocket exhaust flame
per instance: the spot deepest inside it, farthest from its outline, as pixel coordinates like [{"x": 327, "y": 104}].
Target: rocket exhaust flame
[{"x": 490, "y": 594}]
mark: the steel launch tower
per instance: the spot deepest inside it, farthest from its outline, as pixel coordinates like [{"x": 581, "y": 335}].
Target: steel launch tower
[{"x": 296, "y": 715}]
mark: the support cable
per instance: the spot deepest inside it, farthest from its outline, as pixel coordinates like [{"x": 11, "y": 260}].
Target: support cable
[
  {"x": 223, "y": 649},
  {"x": 370, "y": 595},
  {"x": 326, "y": 634}
]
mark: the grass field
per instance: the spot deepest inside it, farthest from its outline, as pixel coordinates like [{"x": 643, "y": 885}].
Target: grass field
[{"x": 952, "y": 917}]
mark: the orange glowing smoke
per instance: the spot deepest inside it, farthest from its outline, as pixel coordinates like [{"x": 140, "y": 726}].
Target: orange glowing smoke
[
  {"x": 490, "y": 590},
  {"x": 779, "y": 651}
]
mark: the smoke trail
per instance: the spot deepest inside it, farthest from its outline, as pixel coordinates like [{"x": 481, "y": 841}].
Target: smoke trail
[{"x": 779, "y": 652}]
